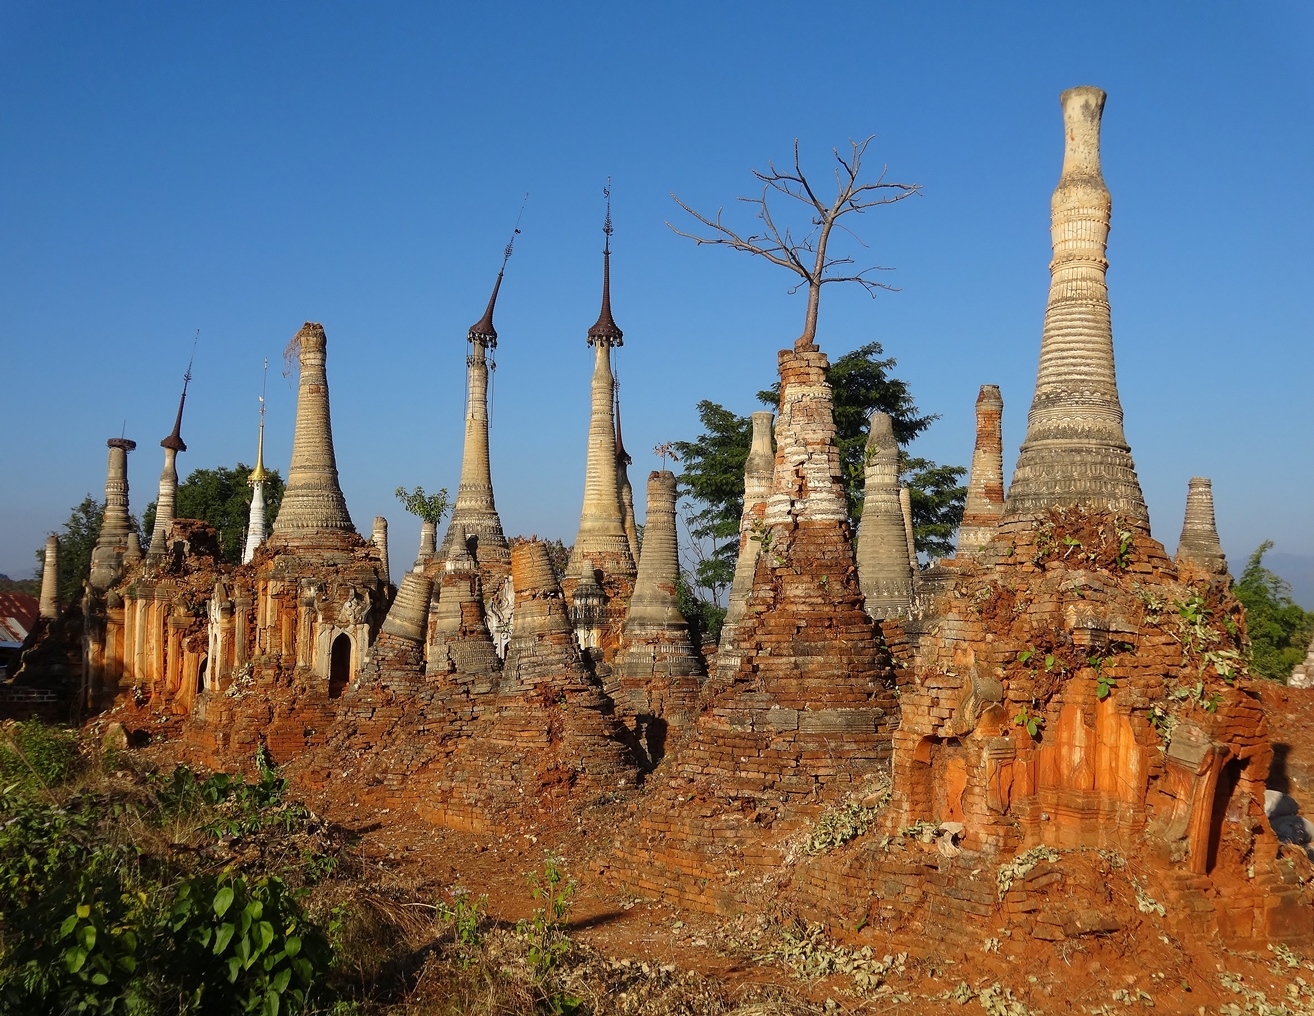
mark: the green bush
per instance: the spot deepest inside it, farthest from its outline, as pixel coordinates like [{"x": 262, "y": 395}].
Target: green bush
[
  {"x": 91, "y": 922},
  {"x": 35, "y": 754},
  {"x": 1278, "y": 627}
]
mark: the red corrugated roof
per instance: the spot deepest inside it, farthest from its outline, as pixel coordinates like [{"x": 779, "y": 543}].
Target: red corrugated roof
[{"x": 18, "y": 613}]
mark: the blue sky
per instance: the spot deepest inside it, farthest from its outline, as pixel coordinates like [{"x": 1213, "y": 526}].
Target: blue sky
[{"x": 240, "y": 168}]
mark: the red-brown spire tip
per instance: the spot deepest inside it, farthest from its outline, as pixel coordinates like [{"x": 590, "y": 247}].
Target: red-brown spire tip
[
  {"x": 482, "y": 331},
  {"x": 174, "y": 440}
]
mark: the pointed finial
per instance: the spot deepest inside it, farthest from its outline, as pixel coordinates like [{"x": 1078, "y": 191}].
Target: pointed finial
[
  {"x": 174, "y": 440},
  {"x": 482, "y": 331},
  {"x": 259, "y": 474},
  {"x": 605, "y": 330}
]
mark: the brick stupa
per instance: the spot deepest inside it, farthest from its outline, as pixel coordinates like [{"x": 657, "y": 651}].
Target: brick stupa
[{"x": 808, "y": 712}]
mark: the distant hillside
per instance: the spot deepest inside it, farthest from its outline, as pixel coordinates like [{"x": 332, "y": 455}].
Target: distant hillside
[
  {"x": 30, "y": 586},
  {"x": 1298, "y": 569}
]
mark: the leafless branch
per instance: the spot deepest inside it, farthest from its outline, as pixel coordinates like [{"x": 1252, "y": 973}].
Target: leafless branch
[{"x": 780, "y": 247}]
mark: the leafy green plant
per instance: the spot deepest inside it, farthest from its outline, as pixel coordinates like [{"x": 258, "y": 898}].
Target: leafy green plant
[
  {"x": 244, "y": 946},
  {"x": 545, "y": 936},
  {"x": 36, "y": 756},
  {"x": 1126, "y": 538},
  {"x": 1104, "y": 683},
  {"x": 465, "y": 914},
  {"x": 1032, "y": 722},
  {"x": 429, "y": 507}
]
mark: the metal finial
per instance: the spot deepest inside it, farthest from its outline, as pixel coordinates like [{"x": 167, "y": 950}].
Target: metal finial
[
  {"x": 606, "y": 223},
  {"x": 187, "y": 374}
]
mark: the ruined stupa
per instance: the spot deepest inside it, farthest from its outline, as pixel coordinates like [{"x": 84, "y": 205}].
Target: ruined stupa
[
  {"x": 758, "y": 471},
  {"x": 313, "y": 512},
  {"x": 475, "y": 512},
  {"x": 116, "y": 527},
  {"x": 459, "y": 641},
  {"x": 379, "y": 537},
  {"x": 657, "y": 674},
  {"x": 985, "y": 482},
  {"x": 1199, "y": 543},
  {"x": 164, "y": 504},
  {"x": 550, "y": 735},
  {"x": 48, "y": 606},
  {"x": 883, "y": 554},
  {"x": 602, "y": 538},
  {"x": 805, "y": 717},
  {"x": 1075, "y": 452}
]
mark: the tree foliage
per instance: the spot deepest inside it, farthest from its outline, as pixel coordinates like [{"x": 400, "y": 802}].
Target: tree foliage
[
  {"x": 1280, "y": 629},
  {"x": 221, "y": 497},
  {"x": 428, "y": 507},
  {"x": 713, "y": 478}
]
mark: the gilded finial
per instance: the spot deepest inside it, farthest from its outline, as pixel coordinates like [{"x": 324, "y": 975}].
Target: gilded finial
[{"x": 260, "y": 474}]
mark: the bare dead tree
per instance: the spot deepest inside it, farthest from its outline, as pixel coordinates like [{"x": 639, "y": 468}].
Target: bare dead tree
[{"x": 809, "y": 257}]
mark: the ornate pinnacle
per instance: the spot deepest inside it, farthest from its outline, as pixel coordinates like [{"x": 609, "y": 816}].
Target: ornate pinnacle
[
  {"x": 605, "y": 330},
  {"x": 174, "y": 440},
  {"x": 259, "y": 474},
  {"x": 482, "y": 331}
]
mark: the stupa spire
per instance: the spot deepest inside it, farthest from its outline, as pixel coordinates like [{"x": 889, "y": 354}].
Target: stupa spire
[
  {"x": 601, "y": 536},
  {"x": 1199, "y": 543},
  {"x": 605, "y": 331},
  {"x": 1075, "y": 452},
  {"x": 49, "y": 604},
  {"x": 168, "y": 495},
  {"x": 313, "y": 508},
  {"x": 884, "y": 570},
  {"x": 475, "y": 512},
  {"x": 115, "y": 528},
  {"x": 255, "y": 526},
  {"x": 623, "y": 462},
  {"x": 985, "y": 483},
  {"x": 759, "y": 470}
]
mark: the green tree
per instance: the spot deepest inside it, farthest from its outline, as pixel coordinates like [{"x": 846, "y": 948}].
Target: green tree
[
  {"x": 428, "y": 507},
  {"x": 713, "y": 477},
  {"x": 222, "y": 498},
  {"x": 1279, "y": 628}
]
